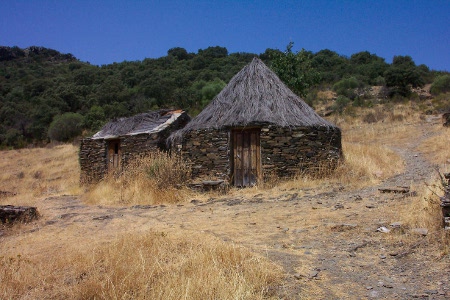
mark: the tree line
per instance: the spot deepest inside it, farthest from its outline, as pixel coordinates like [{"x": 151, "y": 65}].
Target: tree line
[{"x": 45, "y": 94}]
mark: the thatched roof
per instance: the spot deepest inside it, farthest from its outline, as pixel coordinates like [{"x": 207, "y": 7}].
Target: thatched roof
[
  {"x": 255, "y": 96},
  {"x": 149, "y": 122}
]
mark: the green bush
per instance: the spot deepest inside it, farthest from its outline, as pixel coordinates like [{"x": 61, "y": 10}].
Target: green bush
[
  {"x": 346, "y": 87},
  {"x": 65, "y": 127},
  {"x": 341, "y": 103},
  {"x": 440, "y": 85}
]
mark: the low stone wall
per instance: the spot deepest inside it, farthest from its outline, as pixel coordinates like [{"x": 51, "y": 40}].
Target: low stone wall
[
  {"x": 135, "y": 145},
  {"x": 289, "y": 151},
  {"x": 92, "y": 158},
  {"x": 284, "y": 151},
  {"x": 208, "y": 153}
]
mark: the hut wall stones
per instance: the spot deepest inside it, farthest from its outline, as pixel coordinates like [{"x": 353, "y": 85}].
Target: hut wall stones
[
  {"x": 284, "y": 151},
  {"x": 135, "y": 136},
  {"x": 93, "y": 162},
  {"x": 208, "y": 153}
]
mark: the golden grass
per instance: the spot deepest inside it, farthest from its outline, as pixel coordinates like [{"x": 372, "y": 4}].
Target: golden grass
[
  {"x": 39, "y": 172},
  {"x": 153, "y": 179},
  {"x": 58, "y": 263},
  {"x": 437, "y": 148},
  {"x": 154, "y": 265}
]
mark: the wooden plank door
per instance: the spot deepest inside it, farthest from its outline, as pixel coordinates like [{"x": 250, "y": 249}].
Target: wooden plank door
[
  {"x": 113, "y": 155},
  {"x": 246, "y": 157}
]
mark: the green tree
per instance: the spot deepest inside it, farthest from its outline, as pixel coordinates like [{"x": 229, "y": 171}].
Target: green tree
[
  {"x": 295, "y": 69},
  {"x": 65, "y": 127},
  {"x": 94, "y": 119},
  {"x": 402, "y": 74},
  {"x": 440, "y": 85}
]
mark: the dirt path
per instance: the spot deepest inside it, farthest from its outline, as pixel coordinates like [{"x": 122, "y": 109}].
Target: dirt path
[{"x": 328, "y": 243}]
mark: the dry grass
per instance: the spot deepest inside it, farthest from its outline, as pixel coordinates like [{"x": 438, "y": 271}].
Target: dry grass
[
  {"x": 155, "y": 265},
  {"x": 33, "y": 174},
  {"x": 153, "y": 179},
  {"x": 59, "y": 262},
  {"x": 437, "y": 148}
]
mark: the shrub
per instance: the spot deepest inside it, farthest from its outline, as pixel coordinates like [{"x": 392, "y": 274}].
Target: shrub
[
  {"x": 341, "y": 103},
  {"x": 65, "y": 127},
  {"x": 440, "y": 85},
  {"x": 346, "y": 87}
]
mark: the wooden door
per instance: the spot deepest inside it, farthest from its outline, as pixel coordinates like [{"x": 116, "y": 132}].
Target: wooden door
[
  {"x": 246, "y": 157},
  {"x": 113, "y": 155}
]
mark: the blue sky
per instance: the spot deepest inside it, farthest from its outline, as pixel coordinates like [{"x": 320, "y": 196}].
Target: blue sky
[{"x": 103, "y": 32}]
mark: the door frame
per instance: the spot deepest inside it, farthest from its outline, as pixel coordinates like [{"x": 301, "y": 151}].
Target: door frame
[
  {"x": 114, "y": 152},
  {"x": 250, "y": 140}
]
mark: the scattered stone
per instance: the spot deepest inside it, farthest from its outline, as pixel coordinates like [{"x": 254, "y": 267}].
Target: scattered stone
[
  {"x": 298, "y": 276},
  {"x": 383, "y": 229},
  {"x": 338, "y": 206},
  {"x": 10, "y": 214},
  {"x": 421, "y": 231},
  {"x": 396, "y": 190},
  {"x": 369, "y": 287},
  {"x": 388, "y": 285},
  {"x": 383, "y": 256},
  {"x": 374, "y": 294},
  {"x": 234, "y": 202},
  {"x": 102, "y": 218},
  {"x": 313, "y": 274},
  {"x": 396, "y": 224}
]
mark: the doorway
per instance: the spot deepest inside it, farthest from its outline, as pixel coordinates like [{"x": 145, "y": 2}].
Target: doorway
[
  {"x": 246, "y": 157},
  {"x": 113, "y": 155}
]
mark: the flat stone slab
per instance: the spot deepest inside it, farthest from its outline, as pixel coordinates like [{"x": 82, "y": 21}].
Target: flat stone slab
[
  {"x": 395, "y": 189},
  {"x": 10, "y": 214}
]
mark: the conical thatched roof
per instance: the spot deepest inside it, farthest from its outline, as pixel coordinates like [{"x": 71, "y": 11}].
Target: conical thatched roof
[
  {"x": 255, "y": 96},
  {"x": 149, "y": 122}
]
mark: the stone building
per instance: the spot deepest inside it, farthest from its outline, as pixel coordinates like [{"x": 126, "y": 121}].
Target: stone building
[
  {"x": 112, "y": 147},
  {"x": 256, "y": 127}
]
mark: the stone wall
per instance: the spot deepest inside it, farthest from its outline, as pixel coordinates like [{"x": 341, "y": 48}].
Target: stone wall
[
  {"x": 135, "y": 145},
  {"x": 94, "y": 152},
  {"x": 289, "y": 151},
  {"x": 208, "y": 153},
  {"x": 92, "y": 158},
  {"x": 284, "y": 151}
]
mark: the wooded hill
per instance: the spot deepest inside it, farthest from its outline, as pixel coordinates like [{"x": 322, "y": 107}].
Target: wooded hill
[{"x": 46, "y": 95}]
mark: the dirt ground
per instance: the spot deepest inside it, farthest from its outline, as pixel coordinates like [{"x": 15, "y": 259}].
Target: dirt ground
[{"x": 327, "y": 242}]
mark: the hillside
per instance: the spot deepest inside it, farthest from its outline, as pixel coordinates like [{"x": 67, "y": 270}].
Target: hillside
[{"x": 40, "y": 85}]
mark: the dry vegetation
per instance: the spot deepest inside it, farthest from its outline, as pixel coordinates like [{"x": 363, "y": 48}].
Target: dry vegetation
[
  {"x": 154, "y": 265},
  {"x": 153, "y": 179},
  {"x": 173, "y": 264}
]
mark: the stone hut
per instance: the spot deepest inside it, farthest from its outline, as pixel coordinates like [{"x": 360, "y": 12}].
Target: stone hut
[
  {"x": 255, "y": 128},
  {"x": 111, "y": 148}
]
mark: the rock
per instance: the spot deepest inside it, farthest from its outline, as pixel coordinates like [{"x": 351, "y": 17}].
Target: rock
[
  {"x": 298, "y": 276},
  {"x": 383, "y": 229},
  {"x": 313, "y": 274},
  {"x": 396, "y": 224},
  {"x": 338, "y": 206},
  {"x": 420, "y": 231},
  {"x": 10, "y": 214}
]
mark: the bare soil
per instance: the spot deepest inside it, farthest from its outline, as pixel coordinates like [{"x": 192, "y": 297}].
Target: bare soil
[{"x": 327, "y": 242}]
